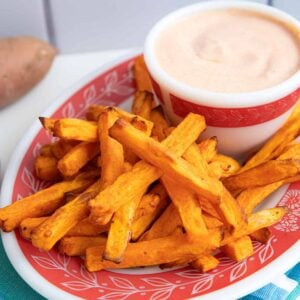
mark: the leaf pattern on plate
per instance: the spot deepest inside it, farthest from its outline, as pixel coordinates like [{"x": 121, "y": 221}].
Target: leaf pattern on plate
[{"x": 239, "y": 270}]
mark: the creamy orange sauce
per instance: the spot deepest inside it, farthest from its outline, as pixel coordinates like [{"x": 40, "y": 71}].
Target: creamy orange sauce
[{"x": 229, "y": 50}]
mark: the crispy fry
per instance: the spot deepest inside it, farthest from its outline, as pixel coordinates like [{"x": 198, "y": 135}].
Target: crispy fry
[
  {"x": 76, "y": 129},
  {"x": 250, "y": 198},
  {"x": 291, "y": 152},
  {"x": 151, "y": 206},
  {"x": 224, "y": 164},
  {"x": 62, "y": 147},
  {"x": 256, "y": 221},
  {"x": 86, "y": 228},
  {"x": 76, "y": 245},
  {"x": 120, "y": 231},
  {"x": 160, "y": 123},
  {"x": 135, "y": 182},
  {"x": 142, "y": 104},
  {"x": 29, "y": 224},
  {"x": 153, "y": 252},
  {"x": 42, "y": 202},
  {"x": 63, "y": 219},
  {"x": 83, "y": 228},
  {"x": 165, "y": 225},
  {"x": 77, "y": 157},
  {"x": 142, "y": 78},
  {"x": 194, "y": 156},
  {"x": 239, "y": 249},
  {"x": 46, "y": 168},
  {"x": 188, "y": 207},
  {"x": 265, "y": 173},
  {"x": 112, "y": 155},
  {"x": 275, "y": 145},
  {"x": 205, "y": 263},
  {"x": 48, "y": 123},
  {"x": 46, "y": 150},
  {"x": 128, "y": 186},
  {"x": 212, "y": 222},
  {"x": 94, "y": 112},
  {"x": 158, "y": 155},
  {"x": 208, "y": 148}
]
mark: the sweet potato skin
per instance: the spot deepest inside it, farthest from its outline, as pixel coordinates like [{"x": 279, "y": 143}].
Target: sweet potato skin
[{"x": 24, "y": 62}]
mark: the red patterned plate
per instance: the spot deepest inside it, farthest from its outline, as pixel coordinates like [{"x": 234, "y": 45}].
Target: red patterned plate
[{"x": 60, "y": 277}]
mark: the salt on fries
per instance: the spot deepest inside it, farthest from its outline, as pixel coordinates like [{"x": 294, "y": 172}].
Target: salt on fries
[{"x": 129, "y": 190}]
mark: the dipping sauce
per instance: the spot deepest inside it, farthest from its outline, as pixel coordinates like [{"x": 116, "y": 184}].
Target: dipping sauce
[{"x": 229, "y": 51}]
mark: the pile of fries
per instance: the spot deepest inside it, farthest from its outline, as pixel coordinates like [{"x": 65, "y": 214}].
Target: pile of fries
[{"x": 130, "y": 190}]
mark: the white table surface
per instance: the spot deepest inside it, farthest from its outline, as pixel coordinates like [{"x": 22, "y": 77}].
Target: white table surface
[{"x": 65, "y": 71}]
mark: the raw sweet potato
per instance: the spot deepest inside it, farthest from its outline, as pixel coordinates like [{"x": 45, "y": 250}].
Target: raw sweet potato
[{"x": 24, "y": 62}]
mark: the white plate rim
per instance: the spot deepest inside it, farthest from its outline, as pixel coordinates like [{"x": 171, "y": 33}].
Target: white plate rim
[{"x": 236, "y": 290}]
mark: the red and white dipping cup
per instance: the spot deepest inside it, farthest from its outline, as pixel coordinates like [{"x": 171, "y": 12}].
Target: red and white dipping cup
[{"x": 240, "y": 121}]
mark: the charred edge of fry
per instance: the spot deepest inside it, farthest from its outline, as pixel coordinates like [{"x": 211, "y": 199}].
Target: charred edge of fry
[{"x": 139, "y": 124}]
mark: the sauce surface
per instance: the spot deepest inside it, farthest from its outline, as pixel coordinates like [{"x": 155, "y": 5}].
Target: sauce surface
[{"x": 229, "y": 51}]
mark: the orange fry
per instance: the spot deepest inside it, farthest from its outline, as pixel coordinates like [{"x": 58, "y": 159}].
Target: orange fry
[
  {"x": 42, "y": 202},
  {"x": 141, "y": 75}
]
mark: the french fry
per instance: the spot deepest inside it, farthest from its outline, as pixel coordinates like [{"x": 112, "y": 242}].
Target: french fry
[
  {"x": 42, "y": 202},
  {"x": 76, "y": 129},
  {"x": 135, "y": 182},
  {"x": 169, "y": 221},
  {"x": 29, "y": 224},
  {"x": 112, "y": 155},
  {"x": 208, "y": 148},
  {"x": 194, "y": 156},
  {"x": 86, "y": 228},
  {"x": 212, "y": 222},
  {"x": 47, "y": 123},
  {"x": 77, "y": 157},
  {"x": 153, "y": 252},
  {"x": 46, "y": 168},
  {"x": 165, "y": 225},
  {"x": 63, "y": 219},
  {"x": 150, "y": 207},
  {"x": 158, "y": 155},
  {"x": 250, "y": 198},
  {"x": 291, "y": 152},
  {"x": 188, "y": 207},
  {"x": 256, "y": 221},
  {"x": 160, "y": 124},
  {"x": 239, "y": 249},
  {"x": 142, "y": 104},
  {"x": 62, "y": 147},
  {"x": 275, "y": 145},
  {"x": 266, "y": 173},
  {"x": 83, "y": 228},
  {"x": 94, "y": 112},
  {"x": 120, "y": 231},
  {"x": 46, "y": 150},
  {"x": 224, "y": 165},
  {"x": 76, "y": 245},
  {"x": 205, "y": 263},
  {"x": 129, "y": 185},
  {"x": 142, "y": 78}
]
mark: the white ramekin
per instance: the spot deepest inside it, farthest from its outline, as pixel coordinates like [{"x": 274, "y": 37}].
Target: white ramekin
[{"x": 241, "y": 121}]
